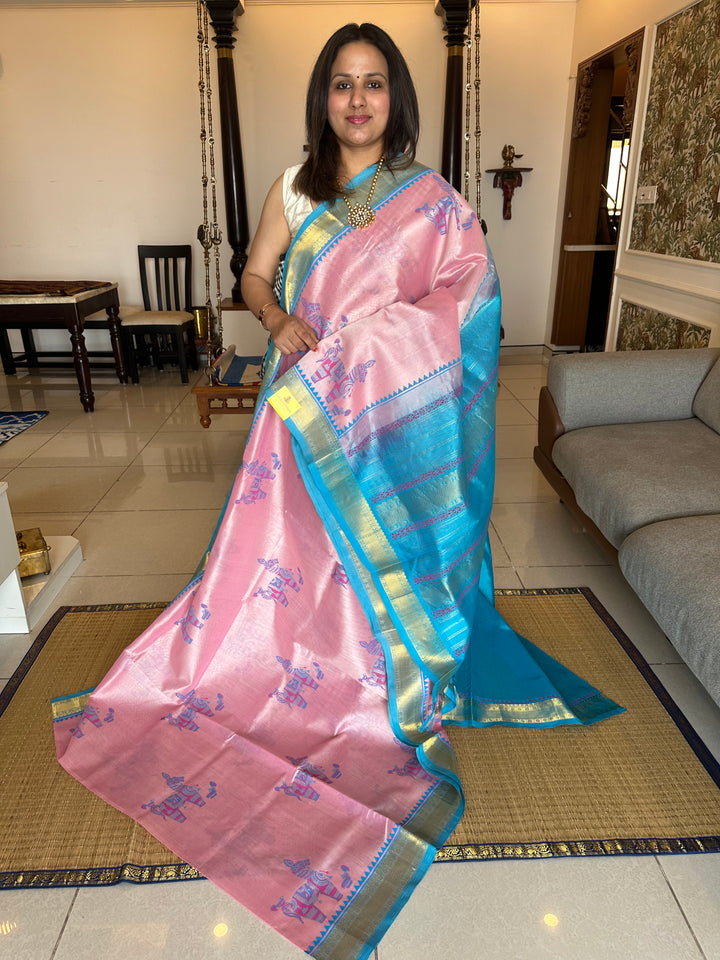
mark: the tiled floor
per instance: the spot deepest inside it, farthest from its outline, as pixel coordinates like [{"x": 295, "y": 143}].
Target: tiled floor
[{"x": 140, "y": 483}]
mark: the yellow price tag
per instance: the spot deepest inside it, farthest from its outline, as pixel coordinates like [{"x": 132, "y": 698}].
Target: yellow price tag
[{"x": 284, "y": 403}]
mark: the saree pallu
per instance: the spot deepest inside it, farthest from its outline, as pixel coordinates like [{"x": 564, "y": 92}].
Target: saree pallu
[{"x": 280, "y": 726}]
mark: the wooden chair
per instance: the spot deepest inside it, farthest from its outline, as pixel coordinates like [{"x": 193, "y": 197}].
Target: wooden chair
[{"x": 165, "y": 329}]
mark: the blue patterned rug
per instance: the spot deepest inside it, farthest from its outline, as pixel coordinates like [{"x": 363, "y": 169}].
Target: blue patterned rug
[{"x": 13, "y": 423}]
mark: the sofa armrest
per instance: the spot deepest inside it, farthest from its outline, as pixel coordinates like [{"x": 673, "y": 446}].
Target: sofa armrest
[
  {"x": 550, "y": 426},
  {"x": 633, "y": 386}
]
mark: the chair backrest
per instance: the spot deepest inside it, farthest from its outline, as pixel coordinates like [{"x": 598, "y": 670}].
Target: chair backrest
[{"x": 166, "y": 276}]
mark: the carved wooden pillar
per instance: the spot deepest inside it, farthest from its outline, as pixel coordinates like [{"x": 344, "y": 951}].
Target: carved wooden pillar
[
  {"x": 222, "y": 16},
  {"x": 455, "y": 22}
]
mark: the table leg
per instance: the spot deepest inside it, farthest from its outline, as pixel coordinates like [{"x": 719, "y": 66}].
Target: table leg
[
  {"x": 29, "y": 345},
  {"x": 113, "y": 316},
  {"x": 82, "y": 365},
  {"x": 6, "y": 353}
]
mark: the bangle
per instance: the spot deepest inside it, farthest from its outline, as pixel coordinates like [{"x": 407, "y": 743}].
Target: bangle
[{"x": 261, "y": 312}]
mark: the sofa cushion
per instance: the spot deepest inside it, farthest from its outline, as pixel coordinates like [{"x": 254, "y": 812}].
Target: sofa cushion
[
  {"x": 674, "y": 567},
  {"x": 633, "y": 386},
  {"x": 625, "y": 476},
  {"x": 706, "y": 405}
]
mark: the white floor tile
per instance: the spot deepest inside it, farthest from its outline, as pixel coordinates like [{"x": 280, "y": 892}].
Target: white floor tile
[
  {"x": 139, "y": 543},
  {"x": 506, "y": 579},
  {"x": 522, "y": 371},
  {"x": 51, "y": 524},
  {"x": 54, "y": 422},
  {"x": 177, "y": 486},
  {"x": 512, "y": 411},
  {"x": 563, "y": 909},
  {"x": 695, "y": 880},
  {"x": 187, "y": 418},
  {"x": 61, "y": 396},
  {"x": 524, "y": 389},
  {"x": 79, "y": 449},
  {"x": 180, "y": 448},
  {"x": 31, "y": 922},
  {"x": 543, "y": 534},
  {"x": 520, "y": 480},
  {"x": 13, "y": 647},
  {"x": 39, "y": 490},
  {"x": 531, "y": 405},
  {"x": 516, "y": 441},
  {"x": 695, "y": 702},
  {"x": 21, "y": 446},
  {"x": 167, "y": 921},
  {"x": 499, "y": 553},
  {"x": 161, "y": 588},
  {"x": 119, "y": 420}
]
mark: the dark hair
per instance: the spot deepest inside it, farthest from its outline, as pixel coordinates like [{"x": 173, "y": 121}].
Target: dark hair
[{"x": 317, "y": 176}]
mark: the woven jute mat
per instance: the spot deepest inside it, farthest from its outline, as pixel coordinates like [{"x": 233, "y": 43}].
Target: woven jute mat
[{"x": 641, "y": 782}]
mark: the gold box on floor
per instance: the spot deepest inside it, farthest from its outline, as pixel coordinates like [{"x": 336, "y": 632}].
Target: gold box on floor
[{"x": 34, "y": 552}]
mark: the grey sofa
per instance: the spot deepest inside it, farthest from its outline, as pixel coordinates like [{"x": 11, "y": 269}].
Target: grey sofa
[{"x": 631, "y": 443}]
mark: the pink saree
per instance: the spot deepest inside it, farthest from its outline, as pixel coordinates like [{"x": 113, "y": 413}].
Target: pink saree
[{"x": 280, "y": 725}]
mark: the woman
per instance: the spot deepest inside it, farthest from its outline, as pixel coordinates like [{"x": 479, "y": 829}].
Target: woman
[{"x": 280, "y": 726}]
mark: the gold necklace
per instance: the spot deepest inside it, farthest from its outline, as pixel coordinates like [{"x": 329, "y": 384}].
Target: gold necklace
[{"x": 361, "y": 215}]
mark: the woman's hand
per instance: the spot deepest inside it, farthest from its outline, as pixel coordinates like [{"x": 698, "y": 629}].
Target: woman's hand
[{"x": 290, "y": 334}]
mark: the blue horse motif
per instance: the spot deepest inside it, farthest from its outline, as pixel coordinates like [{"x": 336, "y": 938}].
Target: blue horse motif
[
  {"x": 301, "y": 786},
  {"x": 300, "y": 681},
  {"x": 260, "y": 472},
  {"x": 91, "y": 716},
  {"x": 193, "y": 622},
  {"x": 303, "y": 903},
  {"x": 330, "y": 367},
  {"x": 378, "y": 675},
  {"x": 171, "y": 807},
  {"x": 447, "y": 207},
  {"x": 327, "y": 364},
  {"x": 198, "y": 704},
  {"x": 314, "y": 316},
  {"x": 412, "y": 766},
  {"x": 339, "y": 576},
  {"x": 194, "y": 705},
  {"x": 283, "y": 580},
  {"x": 185, "y": 720},
  {"x": 302, "y": 763}
]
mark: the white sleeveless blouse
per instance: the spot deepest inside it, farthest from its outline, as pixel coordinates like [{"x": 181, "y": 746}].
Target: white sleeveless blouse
[{"x": 296, "y": 205}]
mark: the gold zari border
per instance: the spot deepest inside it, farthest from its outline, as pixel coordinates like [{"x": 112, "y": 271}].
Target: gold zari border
[
  {"x": 97, "y": 876},
  {"x": 457, "y": 853}
]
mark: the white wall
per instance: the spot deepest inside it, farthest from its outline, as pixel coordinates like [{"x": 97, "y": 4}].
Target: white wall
[
  {"x": 99, "y": 112},
  {"x": 525, "y": 53},
  {"x": 602, "y": 23}
]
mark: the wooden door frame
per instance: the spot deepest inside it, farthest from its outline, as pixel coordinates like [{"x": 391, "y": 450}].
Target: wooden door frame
[{"x": 586, "y": 163}]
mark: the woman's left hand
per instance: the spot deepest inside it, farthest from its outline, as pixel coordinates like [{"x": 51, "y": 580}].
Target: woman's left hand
[{"x": 290, "y": 334}]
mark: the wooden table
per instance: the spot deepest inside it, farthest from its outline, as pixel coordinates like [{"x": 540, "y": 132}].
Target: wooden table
[{"x": 29, "y": 305}]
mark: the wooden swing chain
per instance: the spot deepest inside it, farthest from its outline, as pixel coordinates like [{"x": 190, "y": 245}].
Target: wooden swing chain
[
  {"x": 209, "y": 233},
  {"x": 473, "y": 56}
]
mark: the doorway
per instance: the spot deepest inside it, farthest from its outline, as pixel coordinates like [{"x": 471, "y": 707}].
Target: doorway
[{"x": 594, "y": 195}]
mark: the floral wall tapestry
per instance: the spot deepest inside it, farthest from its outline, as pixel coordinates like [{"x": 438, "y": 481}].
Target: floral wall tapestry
[
  {"x": 681, "y": 143},
  {"x": 641, "y": 328}
]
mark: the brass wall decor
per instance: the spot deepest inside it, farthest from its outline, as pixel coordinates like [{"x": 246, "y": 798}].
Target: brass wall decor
[{"x": 508, "y": 177}]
